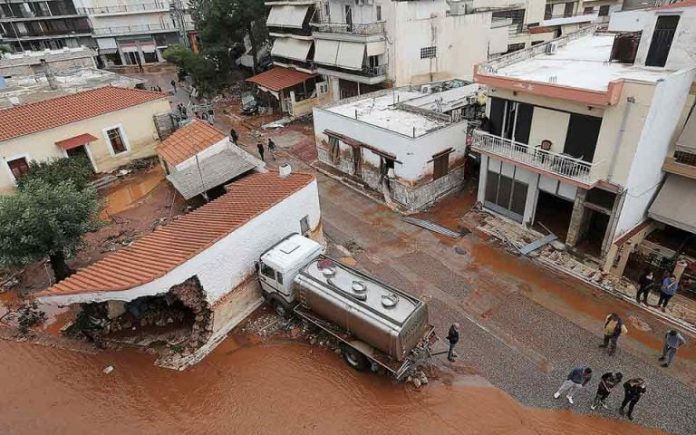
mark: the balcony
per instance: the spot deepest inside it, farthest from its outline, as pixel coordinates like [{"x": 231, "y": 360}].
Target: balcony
[
  {"x": 681, "y": 163},
  {"x": 367, "y": 75},
  {"x": 368, "y": 29},
  {"x": 134, "y": 30},
  {"x": 125, "y": 9},
  {"x": 535, "y": 159}
]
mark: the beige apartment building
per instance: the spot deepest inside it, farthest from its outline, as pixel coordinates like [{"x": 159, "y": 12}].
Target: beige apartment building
[{"x": 110, "y": 126}]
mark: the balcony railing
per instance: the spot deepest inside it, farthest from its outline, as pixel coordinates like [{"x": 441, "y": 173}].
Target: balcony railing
[
  {"x": 368, "y": 29},
  {"x": 546, "y": 161},
  {"x": 366, "y": 71},
  {"x": 117, "y": 9},
  {"x": 126, "y": 30}
]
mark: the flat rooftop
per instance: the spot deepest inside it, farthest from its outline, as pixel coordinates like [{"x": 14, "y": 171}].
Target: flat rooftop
[
  {"x": 581, "y": 63},
  {"x": 406, "y": 110},
  {"x": 34, "y": 88}
]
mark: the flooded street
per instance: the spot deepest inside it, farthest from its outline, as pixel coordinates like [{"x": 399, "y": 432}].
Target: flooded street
[{"x": 265, "y": 388}]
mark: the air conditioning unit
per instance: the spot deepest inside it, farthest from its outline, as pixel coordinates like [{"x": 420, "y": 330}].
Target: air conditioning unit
[
  {"x": 551, "y": 48},
  {"x": 425, "y": 89}
]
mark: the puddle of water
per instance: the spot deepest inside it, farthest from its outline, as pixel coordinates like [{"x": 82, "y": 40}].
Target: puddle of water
[
  {"x": 267, "y": 388},
  {"x": 127, "y": 193}
]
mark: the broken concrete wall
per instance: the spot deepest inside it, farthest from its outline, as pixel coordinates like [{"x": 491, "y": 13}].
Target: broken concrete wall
[{"x": 192, "y": 295}]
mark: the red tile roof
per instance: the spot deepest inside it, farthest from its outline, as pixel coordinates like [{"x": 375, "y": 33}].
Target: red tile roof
[
  {"x": 43, "y": 115},
  {"x": 169, "y": 246},
  {"x": 683, "y": 4},
  {"x": 75, "y": 141},
  {"x": 279, "y": 78},
  {"x": 188, "y": 141}
]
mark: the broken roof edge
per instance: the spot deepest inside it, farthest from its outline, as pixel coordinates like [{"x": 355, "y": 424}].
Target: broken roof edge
[{"x": 54, "y": 296}]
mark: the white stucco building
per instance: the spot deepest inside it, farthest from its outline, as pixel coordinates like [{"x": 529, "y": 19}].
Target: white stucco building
[
  {"x": 579, "y": 128},
  {"x": 408, "y": 143},
  {"x": 207, "y": 255}
]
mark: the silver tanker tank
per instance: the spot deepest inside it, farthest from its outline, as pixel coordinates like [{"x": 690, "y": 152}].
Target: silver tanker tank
[{"x": 388, "y": 319}]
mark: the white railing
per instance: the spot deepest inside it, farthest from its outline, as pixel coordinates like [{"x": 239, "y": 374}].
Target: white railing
[
  {"x": 535, "y": 157},
  {"x": 125, "y": 30}
]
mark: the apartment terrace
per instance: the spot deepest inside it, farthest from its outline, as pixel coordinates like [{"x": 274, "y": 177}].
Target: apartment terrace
[
  {"x": 131, "y": 8},
  {"x": 134, "y": 30}
]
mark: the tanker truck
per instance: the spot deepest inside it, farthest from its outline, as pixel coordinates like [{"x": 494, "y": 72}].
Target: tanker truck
[{"x": 375, "y": 324}]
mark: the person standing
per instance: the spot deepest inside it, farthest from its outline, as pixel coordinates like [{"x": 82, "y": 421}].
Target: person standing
[
  {"x": 613, "y": 329},
  {"x": 272, "y": 148},
  {"x": 606, "y": 384},
  {"x": 453, "y": 338},
  {"x": 633, "y": 391},
  {"x": 233, "y": 136},
  {"x": 668, "y": 289},
  {"x": 211, "y": 116},
  {"x": 673, "y": 341},
  {"x": 259, "y": 146},
  {"x": 577, "y": 378},
  {"x": 173, "y": 83},
  {"x": 645, "y": 284}
]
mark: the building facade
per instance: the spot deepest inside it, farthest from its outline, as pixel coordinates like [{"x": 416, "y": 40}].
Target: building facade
[
  {"x": 136, "y": 33},
  {"x": 109, "y": 126},
  {"x": 577, "y": 132},
  {"x": 407, "y": 143},
  {"x": 41, "y": 25}
]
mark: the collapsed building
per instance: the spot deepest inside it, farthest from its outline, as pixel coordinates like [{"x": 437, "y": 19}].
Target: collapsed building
[
  {"x": 408, "y": 143},
  {"x": 184, "y": 286}
]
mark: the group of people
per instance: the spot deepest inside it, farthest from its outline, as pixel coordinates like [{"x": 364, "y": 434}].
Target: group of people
[
  {"x": 668, "y": 288},
  {"x": 579, "y": 377},
  {"x": 271, "y": 149}
]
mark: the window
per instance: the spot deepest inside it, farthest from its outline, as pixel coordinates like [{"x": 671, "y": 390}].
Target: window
[
  {"x": 548, "y": 12},
  {"x": 19, "y": 167},
  {"x": 334, "y": 149},
  {"x": 385, "y": 164},
  {"x": 428, "y": 52},
  {"x": 517, "y": 16},
  {"x": 588, "y": 10},
  {"x": 327, "y": 12},
  {"x": 304, "y": 225},
  {"x": 267, "y": 271},
  {"x": 604, "y": 11},
  {"x": 568, "y": 11},
  {"x": 379, "y": 13},
  {"x": 279, "y": 278},
  {"x": 661, "y": 42},
  {"x": 118, "y": 145},
  {"x": 441, "y": 165}
]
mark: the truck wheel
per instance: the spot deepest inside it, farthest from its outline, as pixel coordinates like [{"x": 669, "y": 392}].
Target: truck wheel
[
  {"x": 281, "y": 308},
  {"x": 355, "y": 359}
]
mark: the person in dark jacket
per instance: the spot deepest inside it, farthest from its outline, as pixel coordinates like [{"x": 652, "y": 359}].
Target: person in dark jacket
[
  {"x": 173, "y": 83},
  {"x": 453, "y": 338},
  {"x": 606, "y": 384},
  {"x": 272, "y": 148},
  {"x": 646, "y": 282},
  {"x": 633, "y": 391},
  {"x": 259, "y": 146},
  {"x": 576, "y": 379},
  {"x": 233, "y": 135}
]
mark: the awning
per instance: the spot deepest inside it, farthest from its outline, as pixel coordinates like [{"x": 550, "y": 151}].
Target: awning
[
  {"x": 291, "y": 48},
  {"x": 375, "y": 48},
  {"x": 687, "y": 138},
  {"x": 287, "y": 16},
  {"x": 672, "y": 206},
  {"x": 107, "y": 45},
  {"x": 280, "y": 78},
  {"x": 351, "y": 55},
  {"x": 148, "y": 47},
  {"x": 129, "y": 48},
  {"x": 76, "y": 141},
  {"x": 325, "y": 52}
]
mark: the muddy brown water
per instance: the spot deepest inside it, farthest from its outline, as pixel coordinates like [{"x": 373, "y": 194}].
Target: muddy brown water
[{"x": 275, "y": 388}]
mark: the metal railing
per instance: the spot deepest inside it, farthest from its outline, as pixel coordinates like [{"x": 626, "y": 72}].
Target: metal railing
[
  {"x": 376, "y": 28},
  {"x": 548, "y": 161},
  {"x": 115, "y": 9},
  {"x": 685, "y": 157},
  {"x": 366, "y": 71},
  {"x": 125, "y": 30}
]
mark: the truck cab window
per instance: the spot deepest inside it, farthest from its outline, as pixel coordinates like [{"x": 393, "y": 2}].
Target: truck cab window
[
  {"x": 279, "y": 278},
  {"x": 267, "y": 271}
]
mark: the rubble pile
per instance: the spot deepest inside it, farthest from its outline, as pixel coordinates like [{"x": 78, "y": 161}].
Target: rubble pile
[{"x": 191, "y": 294}]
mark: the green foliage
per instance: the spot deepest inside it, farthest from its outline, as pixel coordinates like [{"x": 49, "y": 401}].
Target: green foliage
[
  {"x": 43, "y": 220},
  {"x": 202, "y": 70},
  {"x": 75, "y": 169},
  {"x": 222, "y": 24}
]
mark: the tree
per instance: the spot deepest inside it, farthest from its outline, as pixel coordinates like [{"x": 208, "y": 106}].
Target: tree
[
  {"x": 75, "y": 169},
  {"x": 205, "y": 74},
  {"x": 222, "y": 25},
  {"x": 45, "y": 219}
]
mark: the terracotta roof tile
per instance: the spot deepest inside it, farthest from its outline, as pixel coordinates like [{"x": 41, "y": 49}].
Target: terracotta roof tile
[
  {"x": 171, "y": 245},
  {"x": 43, "y": 115},
  {"x": 280, "y": 78},
  {"x": 682, "y": 4},
  {"x": 188, "y": 141}
]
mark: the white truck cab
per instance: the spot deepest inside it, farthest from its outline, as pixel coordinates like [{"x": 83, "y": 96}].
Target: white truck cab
[{"x": 279, "y": 266}]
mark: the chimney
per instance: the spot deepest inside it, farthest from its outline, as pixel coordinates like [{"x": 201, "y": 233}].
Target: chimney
[{"x": 284, "y": 170}]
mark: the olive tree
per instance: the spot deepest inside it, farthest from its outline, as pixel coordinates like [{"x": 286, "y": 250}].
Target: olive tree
[{"x": 46, "y": 220}]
